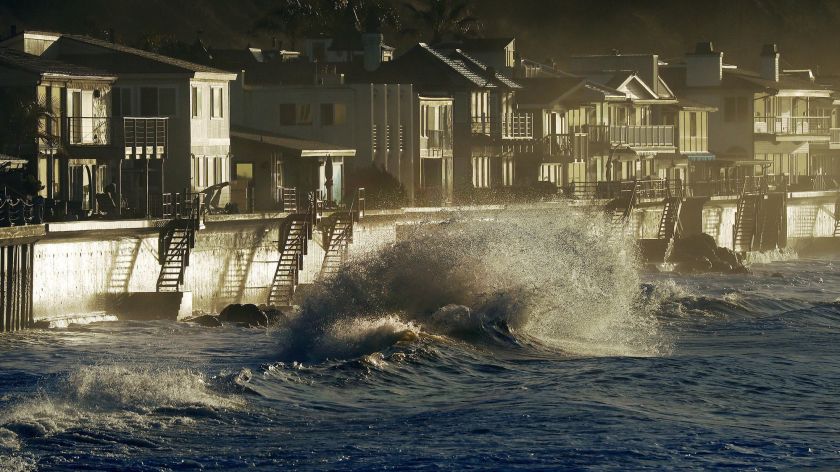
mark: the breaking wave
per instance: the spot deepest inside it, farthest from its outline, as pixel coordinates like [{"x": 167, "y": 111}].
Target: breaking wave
[
  {"x": 114, "y": 398},
  {"x": 562, "y": 281},
  {"x": 776, "y": 255}
]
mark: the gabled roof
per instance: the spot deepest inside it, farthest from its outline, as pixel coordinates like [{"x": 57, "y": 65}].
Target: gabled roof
[
  {"x": 485, "y": 44},
  {"x": 571, "y": 91},
  {"x": 484, "y": 70},
  {"x": 428, "y": 68},
  {"x": 140, "y": 53},
  {"x": 39, "y": 65},
  {"x": 622, "y": 81},
  {"x": 736, "y": 78}
]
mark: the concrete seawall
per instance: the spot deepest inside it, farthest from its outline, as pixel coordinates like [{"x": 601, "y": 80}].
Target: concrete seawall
[{"x": 82, "y": 268}]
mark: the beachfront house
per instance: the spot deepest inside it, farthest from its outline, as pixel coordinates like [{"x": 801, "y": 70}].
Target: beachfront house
[
  {"x": 774, "y": 123},
  {"x": 72, "y": 107},
  {"x": 169, "y": 122}
]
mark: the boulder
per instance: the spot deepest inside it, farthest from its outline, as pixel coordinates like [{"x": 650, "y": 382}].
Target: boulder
[
  {"x": 700, "y": 253},
  {"x": 247, "y": 314}
]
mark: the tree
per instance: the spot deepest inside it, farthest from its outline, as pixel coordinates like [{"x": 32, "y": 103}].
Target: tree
[{"x": 442, "y": 20}]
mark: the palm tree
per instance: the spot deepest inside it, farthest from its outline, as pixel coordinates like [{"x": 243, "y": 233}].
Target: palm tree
[{"x": 442, "y": 20}]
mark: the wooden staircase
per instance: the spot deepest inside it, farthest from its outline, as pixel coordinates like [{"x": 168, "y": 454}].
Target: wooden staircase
[
  {"x": 337, "y": 239},
  {"x": 669, "y": 223},
  {"x": 746, "y": 222},
  {"x": 295, "y": 234},
  {"x": 621, "y": 209}
]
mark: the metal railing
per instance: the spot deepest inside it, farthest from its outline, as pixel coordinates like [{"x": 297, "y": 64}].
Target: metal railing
[
  {"x": 654, "y": 189},
  {"x": 20, "y": 212},
  {"x": 88, "y": 130},
  {"x": 834, "y": 136},
  {"x": 439, "y": 139},
  {"x": 146, "y": 136},
  {"x": 793, "y": 125}
]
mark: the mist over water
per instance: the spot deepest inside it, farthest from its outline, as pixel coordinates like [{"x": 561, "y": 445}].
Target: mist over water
[
  {"x": 514, "y": 341},
  {"x": 561, "y": 280}
]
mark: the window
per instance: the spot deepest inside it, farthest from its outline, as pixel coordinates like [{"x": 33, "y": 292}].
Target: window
[
  {"x": 292, "y": 114},
  {"x": 333, "y": 114},
  {"x": 148, "y": 101},
  {"x": 195, "y": 102},
  {"x": 735, "y": 109},
  {"x": 121, "y": 102},
  {"x": 166, "y": 101},
  {"x": 692, "y": 124},
  {"x": 216, "y": 105},
  {"x": 481, "y": 171},
  {"x": 507, "y": 172}
]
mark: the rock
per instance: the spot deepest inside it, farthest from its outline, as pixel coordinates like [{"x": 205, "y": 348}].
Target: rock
[
  {"x": 275, "y": 315},
  {"x": 247, "y": 314},
  {"x": 208, "y": 321},
  {"x": 700, "y": 253}
]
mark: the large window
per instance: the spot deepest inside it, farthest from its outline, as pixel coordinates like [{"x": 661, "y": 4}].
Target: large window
[
  {"x": 692, "y": 124},
  {"x": 166, "y": 102},
  {"x": 149, "y": 101},
  {"x": 333, "y": 114},
  {"x": 195, "y": 102},
  {"x": 735, "y": 109},
  {"x": 216, "y": 102},
  {"x": 292, "y": 114},
  {"x": 121, "y": 102}
]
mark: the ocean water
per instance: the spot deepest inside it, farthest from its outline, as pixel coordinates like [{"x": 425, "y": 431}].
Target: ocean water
[{"x": 494, "y": 345}]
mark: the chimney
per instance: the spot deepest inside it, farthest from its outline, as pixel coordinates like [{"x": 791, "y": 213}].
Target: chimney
[
  {"x": 770, "y": 62},
  {"x": 13, "y": 31},
  {"x": 704, "y": 67},
  {"x": 372, "y": 46},
  {"x": 274, "y": 43},
  {"x": 111, "y": 36}
]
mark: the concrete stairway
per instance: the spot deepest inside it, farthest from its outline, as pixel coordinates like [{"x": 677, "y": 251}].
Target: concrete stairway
[{"x": 295, "y": 235}]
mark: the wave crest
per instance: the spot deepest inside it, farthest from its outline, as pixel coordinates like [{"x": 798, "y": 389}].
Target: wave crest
[{"x": 563, "y": 278}]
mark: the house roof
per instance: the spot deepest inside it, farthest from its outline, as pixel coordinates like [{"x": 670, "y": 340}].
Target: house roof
[
  {"x": 43, "y": 66},
  {"x": 736, "y": 78},
  {"x": 485, "y": 44},
  {"x": 545, "y": 91},
  {"x": 427, "y": 67},
  {"x": 307, "y": 148},
  {"x": 159, "y": 58},
  {"x": 484, "y": 70}
]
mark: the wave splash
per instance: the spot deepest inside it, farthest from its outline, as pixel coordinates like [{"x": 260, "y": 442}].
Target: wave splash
[
  {"x": 115, "y": 398},
  {"x": 563, "y": 280}
]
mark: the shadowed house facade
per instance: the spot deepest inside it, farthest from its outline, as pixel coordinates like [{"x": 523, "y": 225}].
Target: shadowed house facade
[
  {"x": 169, "y": 119},
  {"x": 774, "y": 122},
  {"x": 73, "y": 125}
]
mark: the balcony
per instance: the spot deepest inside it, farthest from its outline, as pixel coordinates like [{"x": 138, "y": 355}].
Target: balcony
[
  {"x": 88, "y": 130},
  {"x": 518, "y": 126},
  {"x": 437, "y": 143},
  {"x": 563, "y": 148},
  {"x": 798, "y": 127},
  {"x": 512, "y": 126},
  {"x": 834, "y": 138},
  {"x": 141, "y": 137},
  {"x": 642, "y": 135}
]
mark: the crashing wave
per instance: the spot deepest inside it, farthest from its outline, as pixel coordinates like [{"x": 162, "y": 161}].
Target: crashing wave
[
  {"x": 564, "y": 279},
  {"x": 112, "y": 397},
  {"x": 776, "y": 255}
]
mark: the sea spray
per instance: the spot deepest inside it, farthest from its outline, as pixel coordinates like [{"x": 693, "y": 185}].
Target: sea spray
[{"x": 563, "y": 277}]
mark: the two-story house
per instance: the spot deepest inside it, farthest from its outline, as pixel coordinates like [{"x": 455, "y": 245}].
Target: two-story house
[
  {"x": 488, "y": 130},
  {"x": 74, "y": 107},
  {"x": 775, "y": 123},
  {"x": 170, "y": 118}
]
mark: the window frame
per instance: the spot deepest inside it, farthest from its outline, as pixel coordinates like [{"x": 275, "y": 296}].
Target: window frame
[
  {"x": 196, "y": 102},
  {"x": 221, "y": 100}
]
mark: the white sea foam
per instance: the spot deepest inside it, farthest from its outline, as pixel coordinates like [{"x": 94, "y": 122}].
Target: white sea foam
[
  {"x": 111, "y": 397},
  {"x": 565, "y": 278},
  {"x": 776, "y": 255}
]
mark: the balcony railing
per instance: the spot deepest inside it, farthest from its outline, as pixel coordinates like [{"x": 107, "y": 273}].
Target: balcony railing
[
  {"x": 563, "y": 147},
  {"x": 793, "y": 125},
  {"x": 511, "y": 126},
  {"x": 88, "y": 130},
  {"x": 642, "y": 135},
  {"x": 145, "y": 137},
  {"x": 653, "y": 189},
  {"x": 834, "y": 136},
  {"x": 518, "y": 126},
  {"x": 439, "y": 139}
]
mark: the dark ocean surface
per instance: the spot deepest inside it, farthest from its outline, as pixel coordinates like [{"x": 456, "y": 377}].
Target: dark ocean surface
[{"x": 579, "y": 362}]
